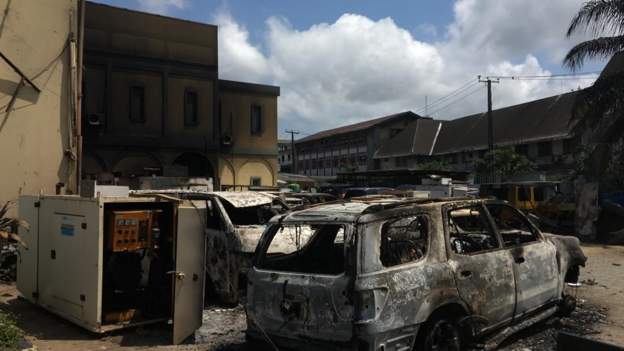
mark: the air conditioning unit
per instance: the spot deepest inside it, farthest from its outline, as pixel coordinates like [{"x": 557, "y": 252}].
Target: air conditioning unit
[
  {"x": 226, "y": 140},
  {"x": 95, "y": 119}
]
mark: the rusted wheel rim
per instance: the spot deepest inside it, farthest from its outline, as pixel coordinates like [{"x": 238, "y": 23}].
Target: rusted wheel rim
[{"x": 445, "y": 337}]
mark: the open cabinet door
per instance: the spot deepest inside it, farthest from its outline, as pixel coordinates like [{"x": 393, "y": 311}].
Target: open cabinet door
[{"x": 189, "y": 275}]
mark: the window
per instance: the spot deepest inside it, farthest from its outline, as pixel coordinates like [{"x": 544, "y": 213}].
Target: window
[
  {"x": 512, "y": 226},
  {"x": 190, "y": 108},
  {"x": 544, "y": 149},
  {"x": 256, "y": 120},
  {"x": 470, "y": 232},
  {"x": 568, "y": 146},
  {"x": 137, "y": 104},
  {"x": 255, "y": 181},
  {"x": 401, "y": 162},
  {"x": 404, "y": 240},
  {"x": 524, "y": 193},
  {"x": 305, "y": 248}
]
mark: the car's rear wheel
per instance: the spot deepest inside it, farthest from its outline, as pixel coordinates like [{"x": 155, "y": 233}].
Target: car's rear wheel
[{"x": 441, "y": 334}]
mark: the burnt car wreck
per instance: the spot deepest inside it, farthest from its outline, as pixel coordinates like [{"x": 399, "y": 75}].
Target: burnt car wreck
[
  {"x": 406, "y": 275},
  {"x": 234, "y": 224}
]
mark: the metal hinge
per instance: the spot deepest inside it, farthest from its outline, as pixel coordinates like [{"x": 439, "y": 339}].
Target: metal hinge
[
  {"x": 37, "y": 203},
  {"x": 35, "y": 294}
]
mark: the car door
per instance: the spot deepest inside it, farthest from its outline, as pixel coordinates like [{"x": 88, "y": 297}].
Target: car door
[
  {"x": 483, "y": 270},
  {"x": 535, "y": 262},
  {"x": 189, "y": 274}
]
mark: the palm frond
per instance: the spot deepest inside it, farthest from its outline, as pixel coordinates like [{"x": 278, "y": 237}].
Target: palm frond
[
  {"x": 599, "y": 16},
  {"x": 596, "y": 103},
  {"x": 604, "y": 47}
]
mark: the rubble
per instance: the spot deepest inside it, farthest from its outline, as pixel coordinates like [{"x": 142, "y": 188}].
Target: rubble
[{"x": 584, "y": 321}]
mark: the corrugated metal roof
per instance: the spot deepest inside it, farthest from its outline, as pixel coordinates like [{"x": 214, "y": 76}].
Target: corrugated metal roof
[
  {"x": 357, "y": 126},
  {"x": 416, "y": 139},
  {"x": 540, "y": 120}
]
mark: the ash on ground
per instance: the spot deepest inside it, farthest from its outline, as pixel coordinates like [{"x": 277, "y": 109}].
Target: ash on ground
[
  {"x": 584, "y": 321},
  {"x": 223, "y": 329}
]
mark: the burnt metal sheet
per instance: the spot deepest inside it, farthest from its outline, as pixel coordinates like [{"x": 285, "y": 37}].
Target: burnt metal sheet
[{"x": 245, "y": 198}]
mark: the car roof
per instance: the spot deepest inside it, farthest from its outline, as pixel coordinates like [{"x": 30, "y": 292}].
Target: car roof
[{"x": 350, "y": 211}]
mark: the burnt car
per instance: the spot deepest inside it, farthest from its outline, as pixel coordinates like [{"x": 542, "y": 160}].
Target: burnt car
[
  {"x": 359, "y": 192},
  {"x": 409, "y": 275},
  {"x": 234, "y": 226}
]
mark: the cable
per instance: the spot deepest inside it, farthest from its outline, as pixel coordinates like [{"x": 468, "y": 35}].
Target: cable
[
  {"x": 455, "y": 92},
  {"x": 458, "y": 100},
  {"x": 571, "y": 75}
]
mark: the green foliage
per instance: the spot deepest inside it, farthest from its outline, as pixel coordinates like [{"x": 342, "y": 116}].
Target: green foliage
[
  {"x": 505, "y": 162},
  {"x": 10, "y": 333},
  {"x": 435, "y": 165},
  {"x": 599, "y": 109}
]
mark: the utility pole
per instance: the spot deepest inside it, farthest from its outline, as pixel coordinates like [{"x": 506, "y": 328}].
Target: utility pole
[
  {"x": 292, "y": 133},
  {"x": 488, "y": 81}
]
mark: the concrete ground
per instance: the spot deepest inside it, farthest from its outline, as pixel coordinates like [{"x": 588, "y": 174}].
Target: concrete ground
[{"x": 600, "y": 316}]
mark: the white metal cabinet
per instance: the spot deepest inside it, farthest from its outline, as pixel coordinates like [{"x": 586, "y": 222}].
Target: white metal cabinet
[{"x": 62, "y": 269}]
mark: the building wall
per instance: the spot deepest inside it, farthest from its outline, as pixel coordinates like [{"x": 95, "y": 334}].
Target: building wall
[
  {"x": 249, "y": 154},
  {"x": 347, "y": 151},
  {"x": 169, "y": 58},
  {"x": 36, "y": 130},
  {"x": 166, "y": 58}
]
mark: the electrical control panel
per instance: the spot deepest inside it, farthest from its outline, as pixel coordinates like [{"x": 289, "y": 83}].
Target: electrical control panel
[{"x": 130, "y": 230}]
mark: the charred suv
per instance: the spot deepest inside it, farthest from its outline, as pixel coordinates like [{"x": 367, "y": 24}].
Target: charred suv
[{"x": 410, "y": 275}]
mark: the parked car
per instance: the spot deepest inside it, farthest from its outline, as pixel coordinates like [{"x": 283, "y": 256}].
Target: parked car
[
  {"x": 410, "y": 275},
  {"x": 358, "y": 192},
  {"x": 235, "y": 223}
]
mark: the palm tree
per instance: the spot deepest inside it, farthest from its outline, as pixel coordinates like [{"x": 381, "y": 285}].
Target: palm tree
[{"x": 599, "y": 108}]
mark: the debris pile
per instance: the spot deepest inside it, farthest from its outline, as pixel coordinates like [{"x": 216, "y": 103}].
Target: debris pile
[
  {"x": 8, "y": 261},
  {"x": 584, "y": 321}
]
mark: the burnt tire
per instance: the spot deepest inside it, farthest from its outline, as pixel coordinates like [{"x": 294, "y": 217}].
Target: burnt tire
[
  {"x": 566, "y": 306},
  {"x": 440, "y": 333}
]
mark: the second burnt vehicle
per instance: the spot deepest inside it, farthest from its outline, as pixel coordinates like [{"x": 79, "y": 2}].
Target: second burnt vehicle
[
  {"x": 410, "y": 275},
  {"x": 234, "y": 224}
]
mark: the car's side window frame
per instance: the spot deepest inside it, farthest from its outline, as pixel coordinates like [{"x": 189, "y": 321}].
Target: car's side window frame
[
  {"x": 527, "y": 222},
  {"x": 430, "y": 233},
  {"x": 447, "y": 234}
]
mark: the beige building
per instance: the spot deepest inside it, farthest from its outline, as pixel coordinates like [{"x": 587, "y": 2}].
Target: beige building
[
  {"x": 154, "y": 105},
  {"x": 39, "y": 97},
  {"x": 93, "y": 91}
]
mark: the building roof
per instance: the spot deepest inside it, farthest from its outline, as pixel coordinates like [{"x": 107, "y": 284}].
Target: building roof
[
  {"x": 540, "y": 120},
  {"x": 357, "y": 126},
  {"x": 244, "y": 87},
  {"x": 418, "y": 138}
]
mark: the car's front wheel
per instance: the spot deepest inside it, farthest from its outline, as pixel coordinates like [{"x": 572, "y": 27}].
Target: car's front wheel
[{"x": 441, "y": 334}]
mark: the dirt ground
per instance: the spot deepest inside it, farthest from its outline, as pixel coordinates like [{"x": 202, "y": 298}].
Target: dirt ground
[{"x": 600, "y": 315}]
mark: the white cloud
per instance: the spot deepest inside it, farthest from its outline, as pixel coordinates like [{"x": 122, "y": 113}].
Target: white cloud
[
  {"x": 238, "y": 59},
  {"x": 356, "y": 68},
  {"x": 162, "y": 7}
]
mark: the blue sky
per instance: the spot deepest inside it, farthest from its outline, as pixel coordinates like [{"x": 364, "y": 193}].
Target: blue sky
[{"x": 343, "y": 61}]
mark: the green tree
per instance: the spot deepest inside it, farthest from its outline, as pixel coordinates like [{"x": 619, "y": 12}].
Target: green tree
[
  {"x": 435, "y": 165},
  {"x": 505, "y": 163},
  {"x": 599, "y": 108}
]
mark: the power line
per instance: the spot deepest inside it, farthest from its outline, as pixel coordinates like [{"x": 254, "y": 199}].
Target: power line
[
  {"x": 442, "y": 99},
  {"x": 458, "y": 99},
  {"x": 545, "y": 76}
]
